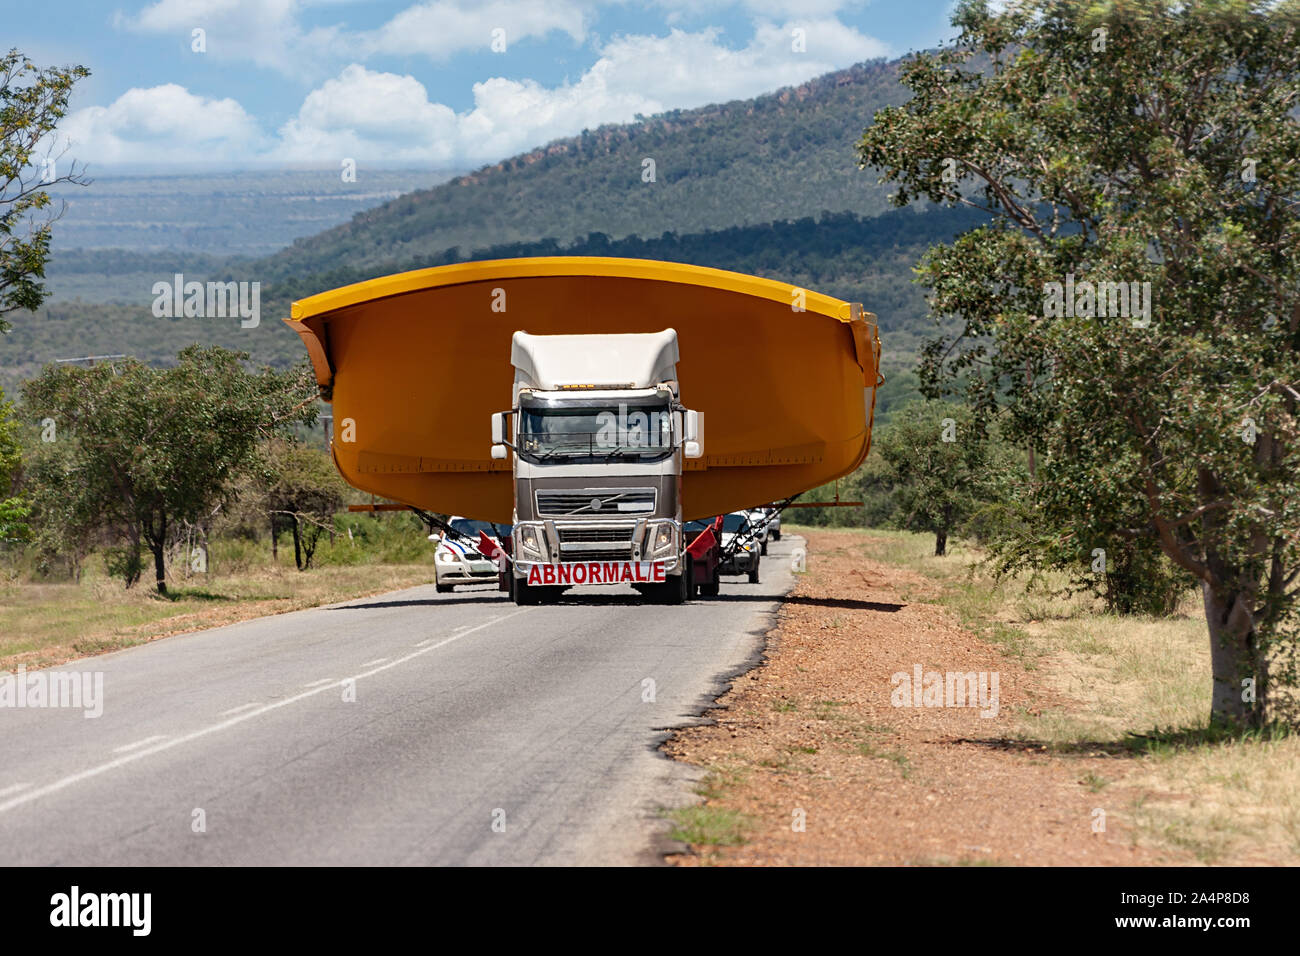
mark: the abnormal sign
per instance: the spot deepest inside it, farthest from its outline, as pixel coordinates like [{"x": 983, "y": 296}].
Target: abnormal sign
[{"x": 596, "y": 572}]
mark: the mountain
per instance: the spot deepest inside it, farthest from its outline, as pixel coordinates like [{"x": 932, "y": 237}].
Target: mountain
[
  {"x": 767, "y": 186},
  {"x": 784, "y": 155}
]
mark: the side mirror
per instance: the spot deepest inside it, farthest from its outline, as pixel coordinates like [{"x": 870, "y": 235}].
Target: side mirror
[
  {"x": 693, "y": 445},
  {"x": 499, "y": 435}
]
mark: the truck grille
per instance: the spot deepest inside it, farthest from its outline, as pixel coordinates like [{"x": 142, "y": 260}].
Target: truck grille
[
  {"x": 577, "y": 543},
  {"x": 623, "y": 501}
]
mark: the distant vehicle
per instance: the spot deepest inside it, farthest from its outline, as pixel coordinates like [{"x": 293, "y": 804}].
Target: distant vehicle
[
  {"x": 458, "y": 560},
  {"x": 758, "y": 522},
  {"x": 739, "y": 539},
  {"x": 773, "y": 523}
]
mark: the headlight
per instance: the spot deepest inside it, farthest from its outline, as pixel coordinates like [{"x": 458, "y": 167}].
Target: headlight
[
  {"x": 446, "y": 557},
  {"x": 530, "y": 544},
  {"x": 663, "y": 538}
]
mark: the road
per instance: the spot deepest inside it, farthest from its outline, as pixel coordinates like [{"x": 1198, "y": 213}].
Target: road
[{"x": 410, "y": 728}]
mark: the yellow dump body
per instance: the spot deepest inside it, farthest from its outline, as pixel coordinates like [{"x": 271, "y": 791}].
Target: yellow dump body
[{"x": 416, "y": 363}]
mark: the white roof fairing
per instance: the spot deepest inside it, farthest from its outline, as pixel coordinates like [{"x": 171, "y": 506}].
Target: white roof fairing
[{"x": 616, "y": 361}]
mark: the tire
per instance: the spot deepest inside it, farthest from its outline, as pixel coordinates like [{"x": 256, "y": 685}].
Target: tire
[
  {"x": 753, "y": 574},
  {"x": 713, "y": 587},
  {"x": 762, "y": 548},
  {"x": 442, "y": 588},
  {"x": 526, "y": 596},
  {"x": 776, "y": 535}
]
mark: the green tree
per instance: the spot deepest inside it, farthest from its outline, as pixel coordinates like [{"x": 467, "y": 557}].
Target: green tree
[
  {"x": 1132, "y": 142},
  {"x": 301, "y": 487},
  {"x": 139, "y": 450},
  {"x": 14, "y": 511},
  {"x": 32, "y": 101},
  {"x": 941, "y": 464}
]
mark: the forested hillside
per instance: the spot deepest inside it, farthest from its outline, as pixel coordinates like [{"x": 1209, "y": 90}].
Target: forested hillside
[
  {"x": 785, "y": 155},
  {"x": 862, "y": 260}
]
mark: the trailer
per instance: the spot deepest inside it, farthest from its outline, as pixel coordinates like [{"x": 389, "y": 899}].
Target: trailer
[{"x": 547, "y": 345}]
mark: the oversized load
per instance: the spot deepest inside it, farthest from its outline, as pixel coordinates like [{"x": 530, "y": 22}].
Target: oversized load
[{"x": 415, "y": 365}]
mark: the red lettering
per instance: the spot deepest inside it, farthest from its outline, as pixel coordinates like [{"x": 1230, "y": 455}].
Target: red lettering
[
  {"x": 548, "y": 574},
  {"x": 658, "y": 571},
  {"x": 564, "y": 574},
  {"x": 611, "y": 572},
  {"x": 534, "y": 575},
  {"x": 576, "y": 569},
  {"x": 627, "y": 572}
]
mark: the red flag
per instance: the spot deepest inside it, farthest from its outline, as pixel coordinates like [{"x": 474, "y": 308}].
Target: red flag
[
  {"x": 703, "y": 542},
  {"x": 487, "y": 547}
]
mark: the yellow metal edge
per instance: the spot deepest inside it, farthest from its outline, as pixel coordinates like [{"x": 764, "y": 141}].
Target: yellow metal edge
[{"x": 541, "y": 266}]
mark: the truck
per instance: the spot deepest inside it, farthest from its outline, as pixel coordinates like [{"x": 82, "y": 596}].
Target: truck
[
  {"x": 598, "y": 436},
  {"x": 417, "y": 439}
]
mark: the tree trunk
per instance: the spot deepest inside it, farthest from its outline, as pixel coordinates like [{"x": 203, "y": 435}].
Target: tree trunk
[
  {"x": 1233, "y": 653},
  {"x": 941, "y": 543},
  {"x": 297, "y": 544},
  {"x": 275, "y": 545},
  {"x": 159, "y": 564}
]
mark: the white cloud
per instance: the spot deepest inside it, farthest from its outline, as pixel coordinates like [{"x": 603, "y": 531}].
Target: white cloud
[
  {"x": 270, "y": 33},
  {"x": 384, "y": 117},
  {"x": 440, "y": 28},
  {"x": 266, "y": 32},
  {"x": 388, "y": 118},
  {"x": 162, "y": 124}
]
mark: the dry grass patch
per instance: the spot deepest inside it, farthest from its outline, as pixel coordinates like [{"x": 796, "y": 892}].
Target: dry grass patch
[{"x": 48, "y": 624}]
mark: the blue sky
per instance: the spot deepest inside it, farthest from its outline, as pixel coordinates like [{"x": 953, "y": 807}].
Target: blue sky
[{"x": 417, "y": 82}]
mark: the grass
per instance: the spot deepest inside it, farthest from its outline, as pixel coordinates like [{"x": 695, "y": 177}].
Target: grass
[
  {"x": 708, "y": 826},
  {"x": 1139, "y": 689},
  {"x": 44, "y": 623}
]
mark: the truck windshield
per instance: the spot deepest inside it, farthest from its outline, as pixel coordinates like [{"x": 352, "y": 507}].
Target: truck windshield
[{"x": 584, "y": 432}]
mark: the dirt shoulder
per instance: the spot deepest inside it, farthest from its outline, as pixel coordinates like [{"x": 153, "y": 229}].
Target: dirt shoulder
[{"x": 813, "y": 736}]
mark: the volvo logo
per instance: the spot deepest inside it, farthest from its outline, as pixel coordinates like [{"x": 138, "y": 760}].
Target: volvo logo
[{"x": 595, "y": 504}]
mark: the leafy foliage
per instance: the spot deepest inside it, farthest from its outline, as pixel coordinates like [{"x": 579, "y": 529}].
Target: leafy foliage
[
  {"x": 32, "y": 101},
  {"x": 301, "y": 488},
  {"x": 140, "y": 450},
  {"x": 1149, "y": 142}
]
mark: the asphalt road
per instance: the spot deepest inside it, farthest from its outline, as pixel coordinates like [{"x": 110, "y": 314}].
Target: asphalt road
[{"x": 476, "y": 733}]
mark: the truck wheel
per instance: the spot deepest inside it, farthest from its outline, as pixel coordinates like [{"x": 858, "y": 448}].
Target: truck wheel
[
  {"x": 711, "y": 589},
  {"x": 677, "y": 590},
  {"x": 526, "y": 596},
  {"x": 753, "y": 574}
]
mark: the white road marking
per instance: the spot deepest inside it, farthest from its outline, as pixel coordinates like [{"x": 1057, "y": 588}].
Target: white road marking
[
  {"x": 235, "y": 710},
  {"x": 13, "y": 788},
  {"x": 139, "y": 743},
  {"x": 135, "y": 755},
  {"x": 320, "y": 683},
  {"x": 381, "y": 660},
  {"x": 423, "y": 642}
]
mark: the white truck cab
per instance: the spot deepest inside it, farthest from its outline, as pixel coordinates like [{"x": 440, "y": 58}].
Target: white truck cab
[{"x": 598, "y": 435}]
